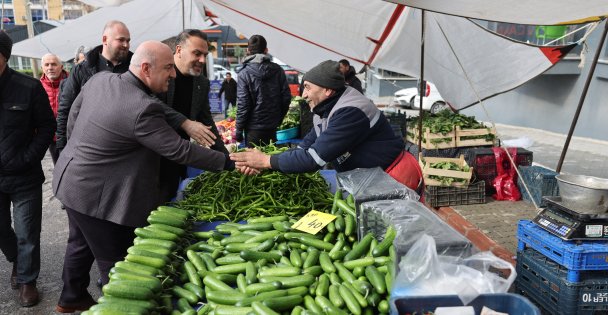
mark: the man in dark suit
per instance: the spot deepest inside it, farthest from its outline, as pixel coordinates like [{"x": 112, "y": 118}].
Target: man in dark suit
[
  {"x": 188, "y": 94},
  {"x": 107, "y": 174}
]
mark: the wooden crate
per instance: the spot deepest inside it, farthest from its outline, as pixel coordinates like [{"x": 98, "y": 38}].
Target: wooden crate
[
  {"x": 428, "y": 136},
  {"x": 427, "y": 170},
  {"x": 460, "y": 133}
]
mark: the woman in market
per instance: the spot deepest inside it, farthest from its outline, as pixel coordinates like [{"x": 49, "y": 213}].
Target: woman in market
[{"x": 349, "y": 132}]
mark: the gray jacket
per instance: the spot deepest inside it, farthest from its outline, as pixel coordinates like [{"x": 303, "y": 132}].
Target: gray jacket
[{"x": 109, "y": 168}]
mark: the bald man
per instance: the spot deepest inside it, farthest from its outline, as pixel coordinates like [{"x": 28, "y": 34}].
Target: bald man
[
  {"x": 52, "y": 75},
  {"x": 113, "y": 55},
  {"x": 107, "y": 175}
]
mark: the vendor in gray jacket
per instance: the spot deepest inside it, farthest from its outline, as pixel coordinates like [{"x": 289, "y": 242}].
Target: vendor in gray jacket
[{"x": 349, "y": 131}]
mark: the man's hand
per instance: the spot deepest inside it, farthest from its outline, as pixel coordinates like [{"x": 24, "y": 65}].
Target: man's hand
[
  {"x": 252, "y": 158},
  {"x": 199, "y": 132},
  {"x": 248, "y": 170}
]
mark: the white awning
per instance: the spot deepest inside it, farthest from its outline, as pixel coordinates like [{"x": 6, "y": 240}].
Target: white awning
[{"x": 146, "y": 20}]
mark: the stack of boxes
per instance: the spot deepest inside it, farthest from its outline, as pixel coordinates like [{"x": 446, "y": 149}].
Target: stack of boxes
[{"x": 561, "y": 277}]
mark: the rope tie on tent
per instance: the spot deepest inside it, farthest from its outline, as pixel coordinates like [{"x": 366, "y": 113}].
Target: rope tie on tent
[
  {"x": 485, "y": 111},
  {"x": 590, "y": 28}
]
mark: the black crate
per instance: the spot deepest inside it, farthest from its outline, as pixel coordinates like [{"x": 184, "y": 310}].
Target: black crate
[
  {"x": 398, "y": 122},
  {"x": 439, "y": 196},
  {"x": 540, "y": 181},
  {"x": 483, "y": 162},
  {"x": 545, "y": 282}
]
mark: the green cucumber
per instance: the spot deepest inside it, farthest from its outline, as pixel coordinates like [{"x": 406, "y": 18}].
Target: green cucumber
[{"x": 126, "y": 291}]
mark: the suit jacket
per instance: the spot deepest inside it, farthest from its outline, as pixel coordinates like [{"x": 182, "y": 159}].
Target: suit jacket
[
  {"x": 109, "y": 168},
  {"x": 199, "y": 109}
]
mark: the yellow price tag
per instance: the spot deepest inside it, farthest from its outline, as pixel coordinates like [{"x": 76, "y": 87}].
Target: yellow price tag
[{"x": 313, "y": 222}]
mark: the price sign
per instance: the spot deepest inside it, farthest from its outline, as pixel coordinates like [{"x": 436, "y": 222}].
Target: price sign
[{"x": 313, "y": 222}]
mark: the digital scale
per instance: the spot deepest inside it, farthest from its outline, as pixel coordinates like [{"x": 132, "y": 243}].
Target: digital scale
[{"x": 570, "y": 224}]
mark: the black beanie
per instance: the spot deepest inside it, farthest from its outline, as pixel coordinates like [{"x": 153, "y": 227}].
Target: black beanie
[
  {"x": 6, "y": 45},
  {"x": 256, "y": 44},
  {"x": 326, "y": 74}
]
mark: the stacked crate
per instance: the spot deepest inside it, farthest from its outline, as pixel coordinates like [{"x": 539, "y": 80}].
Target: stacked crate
[
  {"x": 562, "y": 277},
  {"x": 484, "y": 163},
  {"x": 540, "y": 182}
]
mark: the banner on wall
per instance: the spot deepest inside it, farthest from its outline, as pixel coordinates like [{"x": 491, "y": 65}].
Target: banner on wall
[{"x": 215, "y": 102}]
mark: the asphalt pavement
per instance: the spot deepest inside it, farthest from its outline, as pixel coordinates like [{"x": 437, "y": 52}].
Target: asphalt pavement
[{"x": 586, "y": 156}]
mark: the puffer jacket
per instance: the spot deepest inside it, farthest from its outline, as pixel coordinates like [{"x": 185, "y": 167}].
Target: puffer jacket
[
  {"x": 263, "y": 94},
  {"x": 52, "y": 89},
  {"x": 81, "y": 73},
  {"x": 27, "y": 126}
]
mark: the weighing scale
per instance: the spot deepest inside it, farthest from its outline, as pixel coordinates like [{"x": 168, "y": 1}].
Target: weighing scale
[{"x": 562, "y": 220}]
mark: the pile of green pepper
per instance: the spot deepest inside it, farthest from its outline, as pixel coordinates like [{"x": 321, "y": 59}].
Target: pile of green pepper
[{"x": 233, "y": 196}]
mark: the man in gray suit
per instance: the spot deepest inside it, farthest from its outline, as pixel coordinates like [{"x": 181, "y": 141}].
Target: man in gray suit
[{"x": 107, "y": 175}]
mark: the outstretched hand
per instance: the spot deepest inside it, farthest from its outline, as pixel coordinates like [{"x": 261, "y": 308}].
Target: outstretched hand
[
  {"x": 199, "y": 132},
  {"x": 251, "y": 158}
]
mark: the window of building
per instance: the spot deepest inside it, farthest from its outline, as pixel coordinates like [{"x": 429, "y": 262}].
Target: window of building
[
  {"x": 8, "y": 17},
  {"x": 37, "y": 15},
  {"x": 72, "y": 14}
]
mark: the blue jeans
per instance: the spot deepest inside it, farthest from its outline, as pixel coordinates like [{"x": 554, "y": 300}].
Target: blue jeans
[{"x": 22, "y": 244}]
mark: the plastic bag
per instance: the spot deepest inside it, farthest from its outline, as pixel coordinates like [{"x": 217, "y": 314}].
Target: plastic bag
[
  {"x": 506, "y": 175},
  {"x": 411, "y": 219},
  {"x": 423, "y": 272}
]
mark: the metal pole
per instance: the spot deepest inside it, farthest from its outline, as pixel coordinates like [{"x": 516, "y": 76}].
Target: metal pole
[
  {"x": 2, "y": 25},
  {"x": 583, "y": 96},
  {"x": 183, "y": 15},
  {"x": 421, "y": 88},
  {"x": 30, "y": 34}
]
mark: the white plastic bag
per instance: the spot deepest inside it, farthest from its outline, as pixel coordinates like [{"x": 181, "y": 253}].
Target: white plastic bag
[{"x": 423, "y": 272}]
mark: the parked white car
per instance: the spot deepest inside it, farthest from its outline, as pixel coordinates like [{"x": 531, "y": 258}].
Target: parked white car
[
  {"x": 432, "y": 100},
  {"x": 220, "y": 72}
]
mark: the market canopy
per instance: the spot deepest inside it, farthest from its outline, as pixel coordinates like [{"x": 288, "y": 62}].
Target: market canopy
[
  {"x": 146, "y": 20},
  {"x": 466, "y": 62},
  {"x": 536, "y": 12}
]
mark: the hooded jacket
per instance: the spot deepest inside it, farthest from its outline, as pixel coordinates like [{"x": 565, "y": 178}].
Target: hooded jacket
[{"x": 263, "y": 94}]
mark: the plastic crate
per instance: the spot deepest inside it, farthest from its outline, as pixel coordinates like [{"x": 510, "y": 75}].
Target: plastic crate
[
  {"x": 507, "y": 303},
  {"x": 483, "y": 162},
  {"x": 540, "y": 181},
  {"x": 546, "y": 283},
  {"x": 398, "y": 122},
  {"x": 437, "y": 196},
  {"x": 575, "y": 256},
  {"x": 287, "y": 134}
]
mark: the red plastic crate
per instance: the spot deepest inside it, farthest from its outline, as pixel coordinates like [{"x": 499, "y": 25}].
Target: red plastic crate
[{"x": 483, "y": 162}]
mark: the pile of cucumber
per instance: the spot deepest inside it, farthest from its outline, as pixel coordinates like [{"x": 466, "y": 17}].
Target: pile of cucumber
[{"x": 260, "y": 267}]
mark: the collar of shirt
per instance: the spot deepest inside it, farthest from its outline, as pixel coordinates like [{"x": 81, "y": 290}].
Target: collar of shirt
[{"x": 106, "y": 65}]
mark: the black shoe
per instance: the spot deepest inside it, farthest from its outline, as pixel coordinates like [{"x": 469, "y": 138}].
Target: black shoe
[
  {"x": 83, "y": 305},
  {"x": 14, "y": 284},
  {"x": 28, "y": 295}
]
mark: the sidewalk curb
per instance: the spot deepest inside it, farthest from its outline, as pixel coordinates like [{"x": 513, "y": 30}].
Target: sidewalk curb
[{"x": 473, "y": 233}]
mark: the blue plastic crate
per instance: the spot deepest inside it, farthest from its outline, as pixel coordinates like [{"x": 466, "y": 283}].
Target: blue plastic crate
[
  {"x": 286, "y": 134},
  {"x": 504, "y": 302},
  {"x": 545, "y": 282},
  {"x": 575, "y": 256},
  {"x": 541, "y": 182}
]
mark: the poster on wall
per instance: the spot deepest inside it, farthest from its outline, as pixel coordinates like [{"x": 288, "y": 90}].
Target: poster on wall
[{"x": 215, "y": 102}]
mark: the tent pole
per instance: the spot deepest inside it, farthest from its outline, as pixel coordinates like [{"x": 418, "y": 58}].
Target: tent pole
[
  {"x": 582, "y": 98},
  {"x": 421, "y": 87},
  {"x": 183, "y": 15}
]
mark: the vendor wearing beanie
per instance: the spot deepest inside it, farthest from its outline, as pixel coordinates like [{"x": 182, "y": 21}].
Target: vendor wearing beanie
[
  {"x": 27, "y": 126},
  {"x": 349, "y": 132}
]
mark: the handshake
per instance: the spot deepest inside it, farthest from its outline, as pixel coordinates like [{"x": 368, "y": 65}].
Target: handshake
[{"x": 251, "y": 162}]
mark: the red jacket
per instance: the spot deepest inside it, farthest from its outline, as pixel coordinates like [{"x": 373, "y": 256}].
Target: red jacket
[{"x": 52, "y": 89}]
